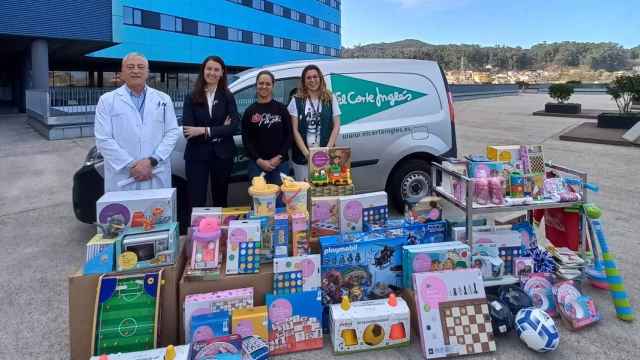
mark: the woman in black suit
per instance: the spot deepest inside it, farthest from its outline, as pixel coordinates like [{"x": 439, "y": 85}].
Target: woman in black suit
[{"x": 210, "y": 119}]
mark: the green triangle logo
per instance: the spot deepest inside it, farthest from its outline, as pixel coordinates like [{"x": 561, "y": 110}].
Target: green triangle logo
[{"x": 359, "y": 98}]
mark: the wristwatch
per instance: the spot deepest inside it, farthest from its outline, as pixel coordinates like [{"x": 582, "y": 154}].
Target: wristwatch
[{"x": 153, "y": 161}]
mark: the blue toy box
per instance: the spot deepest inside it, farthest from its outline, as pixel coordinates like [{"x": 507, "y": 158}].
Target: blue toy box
[
  {"x": 208, "y": 326},
  {"x": 100, "y": 256},
  {"x": 416, "y": 233}
]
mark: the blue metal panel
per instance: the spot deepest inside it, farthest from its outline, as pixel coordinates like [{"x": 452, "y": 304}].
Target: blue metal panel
[{"x": 62, "y": 19}]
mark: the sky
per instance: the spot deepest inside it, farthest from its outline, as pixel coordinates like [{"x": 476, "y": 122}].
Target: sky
[{"x": 491, "y": 22}]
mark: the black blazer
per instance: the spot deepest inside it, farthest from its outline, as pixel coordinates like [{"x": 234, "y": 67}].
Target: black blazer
[{"x": 221, "y": 139}]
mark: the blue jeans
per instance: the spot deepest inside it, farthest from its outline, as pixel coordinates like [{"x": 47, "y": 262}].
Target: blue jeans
[{"x": 272, "y": 177}]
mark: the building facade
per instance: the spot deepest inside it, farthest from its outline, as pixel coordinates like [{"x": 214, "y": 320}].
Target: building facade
[{"x": 80, "y": 43}]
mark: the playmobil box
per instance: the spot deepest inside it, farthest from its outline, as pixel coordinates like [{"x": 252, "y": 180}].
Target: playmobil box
[
  {"x": 433, "y": 257},
  {"x": 250, "y": 321},
  {"x": 139, "y": 249},
  {"x": 364, "y": 266},
  {"x": 363, "y": 211},
  {"x": 212, "y": 302},
  {"x": 417, "y": 233},
  {"x": 453, "y": 314},
  {"x": 294, "y": 322},
  {"x": 287, "y": 271},
  {"x": 136, "y": 208},
  {"x": 369, "y": 325},
  {"x": 243, "y": 246},
  {"x": 100, "y": 256}
]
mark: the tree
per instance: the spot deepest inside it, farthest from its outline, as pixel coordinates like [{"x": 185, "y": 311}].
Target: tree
[
  {"x": 623, "y": 90},
  {"x": 560, "y": 92}
]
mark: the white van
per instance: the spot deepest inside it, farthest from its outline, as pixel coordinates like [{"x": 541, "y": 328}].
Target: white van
[{"x": 397, "y": 117}]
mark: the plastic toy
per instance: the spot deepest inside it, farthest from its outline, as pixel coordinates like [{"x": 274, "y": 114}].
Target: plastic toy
[
  {"x": 577, "y": 310},
  {"x": 126, "y": 313},
  {"x": 537, "y": 330},
  {"x": 155, "y": 206},
  {"x": 264, "y": 196},
  {"x": 210, "y": 325},
  {"x": 340, "y": 167},
  {"x": 318, "y": 177},
  {"x": 300, "y": 233},
  {"x": 453, "y": 314},
  {"x": 250, "y": 321},
  {"x": 539, "y": 287},
  {"x": 223, "y": 347},
  {"x": 206, "y": 240},
  {"x": 624, "y": 311},
  {"x": 139, "y": 249},
  {"x": 369, "y": 325},
  {"x": 433, "y": 257},
  {"x": 207, "y": 303},
  {"x": 242, "y": 248},
  {"x": 502, "y": 319},
  {"x": 294, "y": 194},
  {"x": 514, "y": 297},
  {"x": 294, "y": 322}
]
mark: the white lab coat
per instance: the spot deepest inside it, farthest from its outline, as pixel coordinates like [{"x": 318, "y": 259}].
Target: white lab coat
[{"x": 122, "y": 136}]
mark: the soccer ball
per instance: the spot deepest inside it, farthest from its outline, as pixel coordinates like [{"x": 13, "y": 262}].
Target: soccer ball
[{"x": 537, "y": 329}]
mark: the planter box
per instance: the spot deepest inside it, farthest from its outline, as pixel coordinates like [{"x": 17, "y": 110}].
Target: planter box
[
  {"x": 617, "y": 120},
  {"x": 568, "y": 108}
]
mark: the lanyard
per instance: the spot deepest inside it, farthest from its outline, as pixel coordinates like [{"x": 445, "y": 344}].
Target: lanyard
[
  {"x": 141, "y": 106},
  {"x": 314, "y": 108}
]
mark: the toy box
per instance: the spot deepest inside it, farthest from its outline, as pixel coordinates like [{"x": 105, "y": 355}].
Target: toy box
[
  {"x": 130, "y": 304},
  {"x": 242, "y": 248},
  {"x": 577, "y": 310},
  {"x": 486, "y": 258},
  {"x": 139, "y": 249},
  {"x": 363, "y": 211},
  {"x": 228, "y": 214},
  {"x": 369, "y": 325},
  {"x": 539, "y": 287},
  {"x": 266, "y": 237},
  {"x": 199, "y": 213},
  {"x": 207, "y": 303},
  {"x": 100, "y": 257},
  {"x": 300, "y": 233},
  {"x": 509, "y": 244},
  {"x": 280, "y": 235},
  {"x": 294, "y": 322},
  {"x": 330, "y": 190},
  {"x": 364, "y": 266},
  {"x": 417, "y": 233},
  {"x": 453, "y": 313},
  {"x": 426, "y": 210},
  {"x": 523, "y": 267},
  {"x": 330, "y": 166},
  {"x": 222, "y": 347},
  {"x": 433, "y": 257},
  {"x": 137, "y": 207},
  {"x": 210, "y": 325},
  {"x": 452, "y": 185},
  {"x": 255, "y": 348},
  {"x": 325, "y": 218},
  {"x": 178, "y": 352},
  {"x": 250, "y": 321},
  {"x": 504, "y": 153},
  {"x": 485, "y": 169},
  {"x": 307, "y": 265},
  {"x": 205, "y": 244}
]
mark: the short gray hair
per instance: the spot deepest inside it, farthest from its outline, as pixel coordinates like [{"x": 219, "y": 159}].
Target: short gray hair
[{"x": 132, "y": 55}]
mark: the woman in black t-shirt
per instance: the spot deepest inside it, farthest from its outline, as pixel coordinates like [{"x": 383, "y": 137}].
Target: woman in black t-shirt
[{"x": 266, "y": 132}]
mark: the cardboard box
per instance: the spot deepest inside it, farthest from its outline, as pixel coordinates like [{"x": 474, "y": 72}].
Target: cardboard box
[
  {"x": 261, "y": 282},
  {"x": 134, "y": 207},
  {"x": 82, "y": 297},
  {"x": 504, "y": 153}
]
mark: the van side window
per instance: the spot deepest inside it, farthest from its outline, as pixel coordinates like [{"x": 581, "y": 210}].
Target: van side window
[{"x": 282, "y": 91}]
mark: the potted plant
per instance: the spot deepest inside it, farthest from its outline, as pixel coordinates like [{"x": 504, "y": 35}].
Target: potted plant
[
  {"x": 624, "y": 89},
  {"x": 561, "y": 93}
]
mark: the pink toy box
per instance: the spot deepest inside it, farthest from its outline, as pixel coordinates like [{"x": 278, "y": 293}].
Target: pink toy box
[{"x": 227, "y": 300}]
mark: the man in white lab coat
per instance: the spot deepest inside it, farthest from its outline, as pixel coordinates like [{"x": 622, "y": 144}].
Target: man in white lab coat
[{"x": 136, "y": 131}]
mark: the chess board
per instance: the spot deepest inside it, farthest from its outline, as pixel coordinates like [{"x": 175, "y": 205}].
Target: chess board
[{"x": 467, "y": 326}]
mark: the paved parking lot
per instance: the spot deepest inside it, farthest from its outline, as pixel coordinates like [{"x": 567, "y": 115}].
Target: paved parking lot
[{"x": 43, "y": 242}]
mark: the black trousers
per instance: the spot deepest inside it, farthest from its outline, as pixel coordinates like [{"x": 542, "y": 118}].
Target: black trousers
[{"x": 198, "y": 173}]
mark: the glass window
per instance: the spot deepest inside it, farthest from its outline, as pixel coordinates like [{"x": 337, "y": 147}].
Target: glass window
[
  {"x": 212, "y": 30},
  {"x": 127, "y": 15},
  {"x": 203, "y": 29},
  {"x": 258, "y": 39},
  {"x": 294, "y": 45},
  {"x": 277, "y": 42},
  {"x": 309, "y": 48},
  {"x": 137, "y": 17},
  {"x": 178, "y": 24},
  {"x": 235, "y": 34},
  {"x": 295, "y": 15},
  {"x": 167, "y": 22},
  {"x": 309, "y": 20},
  {"x": 244, "y": 98},
  {"x": 258, "y": 4},
  {"x": 277, "y": 10},
  {"x": 322, "y": 24}
]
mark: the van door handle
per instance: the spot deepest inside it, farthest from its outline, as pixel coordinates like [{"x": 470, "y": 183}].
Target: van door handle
[{"x": 420, "y": 133}]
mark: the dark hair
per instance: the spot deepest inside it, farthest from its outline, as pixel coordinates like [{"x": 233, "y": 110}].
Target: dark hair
[
  {"x": 266, "y": 72},
  {"x": 198, "y": 94},
  {"x": 303, "y": 92}
]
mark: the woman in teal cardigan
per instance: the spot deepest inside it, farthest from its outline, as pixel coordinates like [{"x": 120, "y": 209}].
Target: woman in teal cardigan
[{"x": 315, "y": 119}]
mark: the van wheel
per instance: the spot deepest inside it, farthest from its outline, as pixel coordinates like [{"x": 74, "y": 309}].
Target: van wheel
[
  {"x": 411, "y": 178},
  {"x": 182, "y": 203}
]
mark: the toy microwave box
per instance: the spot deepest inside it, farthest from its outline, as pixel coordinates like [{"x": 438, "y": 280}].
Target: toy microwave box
[
  {"x": 243, "y": 247},
  {"x": 208, "y": 303},
  {"x": 363, "y": 211},
  {"x": 136, "y": 207},
  {"x": 368, "y": 325},
  {"x": 433, "y": 257},
  {"x": 100, "y": 257},
  {"x": 364, "y": 266},
  {"x": 139, "y": 249}
]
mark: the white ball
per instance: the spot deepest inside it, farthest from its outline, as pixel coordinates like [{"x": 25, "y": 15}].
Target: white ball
[{"x": 537, "y": 329}]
